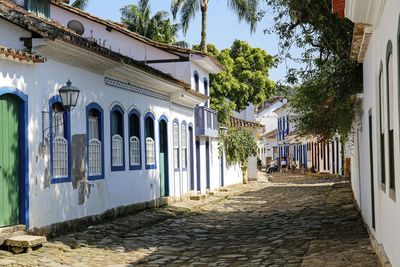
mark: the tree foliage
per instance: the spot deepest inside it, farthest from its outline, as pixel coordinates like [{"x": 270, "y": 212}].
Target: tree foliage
[
  {"x": 322, "y": 101},
  {"x": 247, "y": 10},
  {"x": 158, "y": 27},
  {"x": 240, "y": 145},
  {"x": 245, "y": 80}
]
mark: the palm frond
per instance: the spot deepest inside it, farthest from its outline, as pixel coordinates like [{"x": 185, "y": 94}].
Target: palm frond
[
  {"x": 80, "y": 4},
  {"x": 188, "y": 12},
  {"x": 246, "y": 10},
  {"x": 175, "y": 6},
  {"x": 143, "y": 5}
]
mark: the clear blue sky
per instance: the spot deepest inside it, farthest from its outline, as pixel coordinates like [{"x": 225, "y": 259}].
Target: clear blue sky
[{"x": 223, "y": 26}]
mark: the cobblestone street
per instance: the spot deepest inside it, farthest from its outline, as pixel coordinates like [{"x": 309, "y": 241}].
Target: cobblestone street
[{"x": 307, "y": 222}]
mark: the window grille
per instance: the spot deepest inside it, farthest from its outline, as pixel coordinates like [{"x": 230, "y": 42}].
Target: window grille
[
  {"x": 58, "y": 123},
  {"x": 176, "y": 146},
  {"x": 95, "y": 157},
  {"x": 93, "y": 128},
  {"x": 60, "y": 157},
  {"x": 134, "y": 151},
  {"x": 184, "y": 146},
  {"x": 117, "y": 151},
  {"x": 150, "y": 154}
]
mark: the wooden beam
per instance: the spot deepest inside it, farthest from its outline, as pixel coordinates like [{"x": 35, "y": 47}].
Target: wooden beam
[{"x": 182, "y": 59}]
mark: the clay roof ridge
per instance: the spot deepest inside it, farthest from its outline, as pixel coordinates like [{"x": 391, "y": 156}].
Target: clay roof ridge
[
  {"x": 236, "y": 122},
  {"x": 117, "y": 26},
  {"x": 53, "y": 30},
  {"x": 21, "y": 55}
]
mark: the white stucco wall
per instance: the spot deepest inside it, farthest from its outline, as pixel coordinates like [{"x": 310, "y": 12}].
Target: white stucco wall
[
  {"x": 387, "y": 211},
  {"x": 59, "y": 202}
]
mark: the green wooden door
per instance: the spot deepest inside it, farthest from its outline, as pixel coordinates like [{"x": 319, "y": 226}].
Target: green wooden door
[
  {"x": 9, "y": 161},
  {"x": 162, "y": 174}
]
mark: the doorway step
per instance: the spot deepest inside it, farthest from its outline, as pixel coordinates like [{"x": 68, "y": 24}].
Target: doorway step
[{"x": 16, "y": 239}]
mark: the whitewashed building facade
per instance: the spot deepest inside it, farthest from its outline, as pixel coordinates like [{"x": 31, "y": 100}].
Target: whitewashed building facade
[
  {"x": 131, "y": 137},
  {"x": 375, "y": 167}
]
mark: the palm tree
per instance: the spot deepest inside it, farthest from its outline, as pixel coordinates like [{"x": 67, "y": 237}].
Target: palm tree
[
  {"x": 245, "y": 9},
  {"x": 158, "y": 27}
]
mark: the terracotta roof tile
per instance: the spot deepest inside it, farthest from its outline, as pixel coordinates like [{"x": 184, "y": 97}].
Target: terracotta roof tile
[
  {"x": 271, "y": 134},
  {"x": 54, "y": 30},
  {"x": 20, "y": 55},
  {"x": 120, "y": 27},
  {"x": 236, "y": 122}
]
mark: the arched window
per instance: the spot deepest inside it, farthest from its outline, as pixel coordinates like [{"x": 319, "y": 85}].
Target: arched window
[
  {"x": 135, "y": 162},
  {"x": 184, "y": 146},
  {"x": 60, "y": 147},
  {"x": 117, "y": 139},
  {"x": 95, "y": 143},
  {"x": 176, "y": 145},
  {"x": 390, "y": 112},
  {"x": 196, "y": 81},
  {"x": 150, "y": 143},
  {"x": 382, "y": 128},
  {"x": 206, "y": 90}
]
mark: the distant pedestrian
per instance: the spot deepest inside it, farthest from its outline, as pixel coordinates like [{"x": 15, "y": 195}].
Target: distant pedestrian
[
  {"x": 284, "y": 165},
  {"x": 293, "y": 165}
]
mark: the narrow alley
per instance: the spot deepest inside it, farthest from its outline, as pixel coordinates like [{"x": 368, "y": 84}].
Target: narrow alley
[{"x": 287, "y": 221}]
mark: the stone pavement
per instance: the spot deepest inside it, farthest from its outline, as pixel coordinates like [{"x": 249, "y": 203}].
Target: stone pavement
[{"x": 312, "y": 223}]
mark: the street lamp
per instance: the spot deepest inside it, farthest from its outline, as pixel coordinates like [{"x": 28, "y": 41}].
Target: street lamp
[
  {"x": 69, "y": 95},
  {"x": 223, "y": 130}
]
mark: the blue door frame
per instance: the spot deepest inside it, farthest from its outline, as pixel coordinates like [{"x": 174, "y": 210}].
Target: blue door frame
[
  {"x": 191, "y": 157},
  {"x": 208, "y": 163},
  {"x": 198, "y": 163},
  {"x": 23, "y": 152}
]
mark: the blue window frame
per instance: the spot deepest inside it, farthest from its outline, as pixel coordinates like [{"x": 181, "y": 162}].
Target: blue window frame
[
  {"x": 184, "y": 145},
  {"x": 205, "y": 82},
  {"x": 117, "y": 144},
  {"x": 287, "y": 121},
  {"x": 135, "y": 153},
  {"x": 56, "y": 106},
  {"x": 176, "y": 144},
  {"x": 149, "y": 122},
  {"x": 94, "y": 111},
  {"x": 196, "y": 81}
]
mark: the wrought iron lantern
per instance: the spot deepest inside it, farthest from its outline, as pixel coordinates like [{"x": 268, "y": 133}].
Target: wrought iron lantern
[
  {"x": 223, "y": 130},
  {"x": 69, "y": 95}
]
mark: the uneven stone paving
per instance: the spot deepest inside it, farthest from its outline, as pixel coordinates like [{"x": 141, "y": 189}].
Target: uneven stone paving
[{"x": 270, "y": 224}]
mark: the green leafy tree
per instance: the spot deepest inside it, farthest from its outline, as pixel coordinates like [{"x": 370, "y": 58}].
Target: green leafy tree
[
  {"x": 245, "y": 80},
  {"x": 246, "y": 10},
  {"x": 158, "y": 27},
  {"x": 240, "y": 145},
  {"x": 322, "y": 100}
]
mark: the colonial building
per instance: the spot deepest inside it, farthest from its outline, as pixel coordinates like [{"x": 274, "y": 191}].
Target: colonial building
[
  {"x": 141, "y": 128},
  {"x": 375, "y": 167},
  {"x": 324, "y": 156}
]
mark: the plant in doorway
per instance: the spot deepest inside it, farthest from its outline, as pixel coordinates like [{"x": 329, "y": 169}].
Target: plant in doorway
[{"x": 240, "y": 145}]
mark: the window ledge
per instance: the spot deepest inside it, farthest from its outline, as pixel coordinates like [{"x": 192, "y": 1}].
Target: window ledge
[
  {"x": 392, "y": 194},
  {"x": 150, "y": 167},
  {"x": 135, "y": 167},
  {"x": 383, "y": 187},
  {"x": 60, "y": 180},
  {"x": 117, "y": 169},
  {"x": 95, "y": 177}
]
